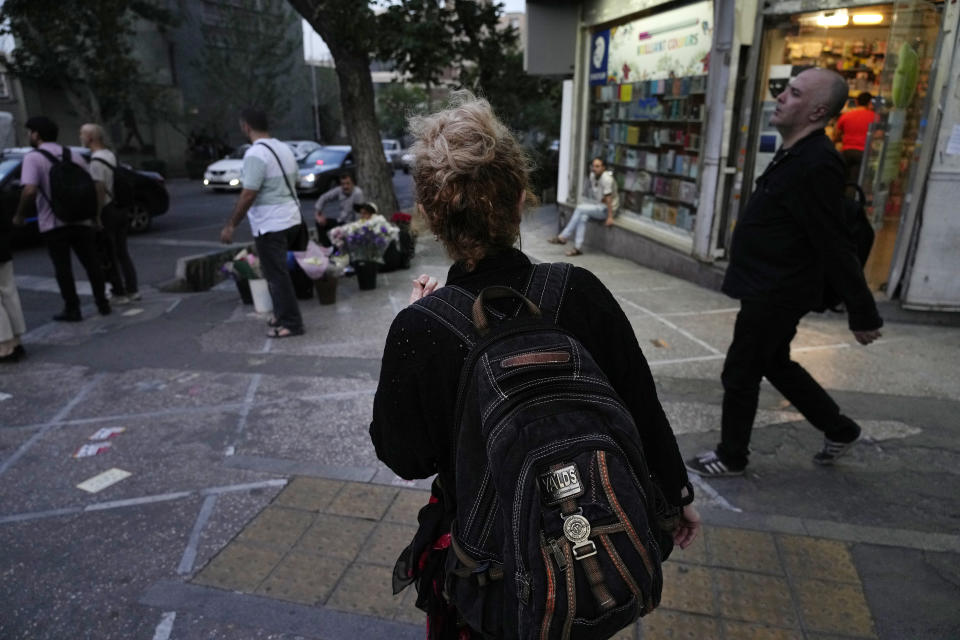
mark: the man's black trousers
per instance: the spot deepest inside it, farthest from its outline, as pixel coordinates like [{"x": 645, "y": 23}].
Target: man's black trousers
[
  {"x": 272, "y": 250},
  {"x": 82, "y": 240},
  {"x": 761, "y": 348}
]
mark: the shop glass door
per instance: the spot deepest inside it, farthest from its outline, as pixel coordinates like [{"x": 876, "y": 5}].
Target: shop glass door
[{"x": 888, "y": 168}]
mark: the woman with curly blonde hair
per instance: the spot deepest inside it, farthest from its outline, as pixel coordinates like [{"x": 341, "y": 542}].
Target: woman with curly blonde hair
[{"x": 472, "y": 185}]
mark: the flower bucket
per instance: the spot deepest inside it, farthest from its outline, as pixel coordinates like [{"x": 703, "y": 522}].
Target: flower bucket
[
  {"x": 243, "y": 286},
  {"x": 326, "y": 289},
  {"x": 261, "y": 295},
  {"x": 366, "y": 274}
]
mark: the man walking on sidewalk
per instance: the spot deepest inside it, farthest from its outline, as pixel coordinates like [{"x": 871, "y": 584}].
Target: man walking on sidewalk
[
  {"x": 61, "y": 236},
  {"x": 788, "y": 242},
  {"x": 269, "y": 202}
]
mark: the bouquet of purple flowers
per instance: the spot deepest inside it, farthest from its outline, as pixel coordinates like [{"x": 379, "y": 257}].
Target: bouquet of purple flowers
[{"x": 365, "y": 240}]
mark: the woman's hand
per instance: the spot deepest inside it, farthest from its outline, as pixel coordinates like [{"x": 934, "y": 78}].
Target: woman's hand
[
  {"x": 422, "y": 286},
  {"x": 687, "y": 528}
]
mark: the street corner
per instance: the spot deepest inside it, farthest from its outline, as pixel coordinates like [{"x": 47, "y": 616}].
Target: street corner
[{"x": 324, "y": 543}]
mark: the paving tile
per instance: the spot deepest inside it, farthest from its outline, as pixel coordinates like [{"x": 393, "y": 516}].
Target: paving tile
[
  {"x": 806, "y": 557},
  {"x": 696, "y": 553},
  {"x": 406, "y": 506},
  {"x": 752, "y": 597},
  {"x": 367, "y": 589},
  {"x": 239, "y": 567},
  {"x": 831, "y": 607},
  {"x": 336, "y": 536},
  {"x": 303, "y": 577},
  {"x": 669, "y": 625},
  {"x": 743, "y": 549},
  {"x": 687, "y": 588},
  {"x": 408, "y": 612},
  {"x": 308, "y": 494},
  {"x": 745, "y": 631},
  {"x": 386, "y": 543},
  {"x": 277, "y": 527},
  {"x": 630, "y": 633},
  {"x": 363, "y": 500}
]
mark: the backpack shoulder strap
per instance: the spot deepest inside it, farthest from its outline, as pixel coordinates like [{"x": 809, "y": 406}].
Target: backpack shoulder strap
[
  {"x": 451, "y": 306},
  {"x": 547, "y": 287},
  {"x": 101, "y": 160},
  {"x": 49, "y": 156}
]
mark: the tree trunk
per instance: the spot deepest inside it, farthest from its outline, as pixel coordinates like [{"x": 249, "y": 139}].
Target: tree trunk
[
  {"x": 357, "y": 105},
  {"x": 342, "y": 27}
]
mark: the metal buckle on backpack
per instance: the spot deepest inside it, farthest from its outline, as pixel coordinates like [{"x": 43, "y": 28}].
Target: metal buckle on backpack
[{"x": 588, "y": 549}]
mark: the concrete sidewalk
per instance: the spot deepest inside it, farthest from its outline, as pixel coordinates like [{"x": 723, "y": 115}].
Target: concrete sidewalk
[{"x": 256, "y": 488}]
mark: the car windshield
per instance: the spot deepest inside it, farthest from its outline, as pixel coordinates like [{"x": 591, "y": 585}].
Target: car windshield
[
  {"x": 323, "y": 158},
  {"x": 238, "y": 152},
  {"x": 7, "y": 165},
  {"x": 389, "y": 145}
]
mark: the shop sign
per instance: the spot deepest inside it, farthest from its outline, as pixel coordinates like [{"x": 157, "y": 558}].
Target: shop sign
[{"x": 671, "y": 44}]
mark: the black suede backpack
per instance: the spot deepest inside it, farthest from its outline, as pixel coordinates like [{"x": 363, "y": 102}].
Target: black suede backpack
[{"x": 556, "y": 531}]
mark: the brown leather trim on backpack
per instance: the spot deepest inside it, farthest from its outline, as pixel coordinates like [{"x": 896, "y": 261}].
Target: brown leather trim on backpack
[
  {"x": 621, "y": 514},
  {"x": 551, "y": 601},
  {"x": 542, "y": 357},
  {"x": 621, "y": 567},
  {"x": 571, "y": 591},
  {"x": 591, "y": 566}
]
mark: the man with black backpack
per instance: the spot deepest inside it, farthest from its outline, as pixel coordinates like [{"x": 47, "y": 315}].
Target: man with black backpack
[
  {"x": 58, "y": 180},
  {"x": 269, "y": 201},
  {"x": 105, "y": 171},
  {"x": 792, "y": 243}
]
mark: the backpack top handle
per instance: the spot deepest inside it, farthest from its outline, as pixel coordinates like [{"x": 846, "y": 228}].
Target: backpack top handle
[{"x": 496, "y": 292}]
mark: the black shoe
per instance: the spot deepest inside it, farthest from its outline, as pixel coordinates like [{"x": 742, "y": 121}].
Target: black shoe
[
  {"x": 104, "y": 308},
  {"x": 68, "y": 315},
  {"x": 832, "y": 451},
  {"x": 709, "y": 465},
  {"x": 15, "y": 355}
]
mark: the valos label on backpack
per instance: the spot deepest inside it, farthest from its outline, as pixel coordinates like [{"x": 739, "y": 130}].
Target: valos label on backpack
[{"x": 560, "y": 483}]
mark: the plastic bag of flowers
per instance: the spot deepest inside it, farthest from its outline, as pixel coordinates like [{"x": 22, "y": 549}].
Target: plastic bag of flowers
[{"x": 364, "y": 240}]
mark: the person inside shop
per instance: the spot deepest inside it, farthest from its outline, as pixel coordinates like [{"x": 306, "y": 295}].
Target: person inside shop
[
  {"x": 788, "y": 243},
  {"x": 851, "y": 132},
  {"x": 601, "y": 204}
]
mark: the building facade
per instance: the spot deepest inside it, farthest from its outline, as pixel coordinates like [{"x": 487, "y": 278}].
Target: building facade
[{"x": 676, "y": 97}]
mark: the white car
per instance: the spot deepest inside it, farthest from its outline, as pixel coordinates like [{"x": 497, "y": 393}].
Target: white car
[
  {"x": 406, "y": 161},
  {"x": 392, "y": 151},
  {"x": 227, "y": 174}
]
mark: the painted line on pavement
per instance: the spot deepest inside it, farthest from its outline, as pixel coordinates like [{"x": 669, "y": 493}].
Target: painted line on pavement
[
  {"x": 666, "y": 322},
  {"x": 52, "y": 424},
  {"x": 134, "y": 502},
  {"x": 642, "y": 290},
  {"x": 712, "y": 493},
  {"x": 676, "y": 314},
  {"x": 190, "y": 553},
  {"x": 165, "y": 628},
  {"x": 244, "y": 412},
  {"x": 654, "y": 363},
  {"x": 173, "y": 306}
]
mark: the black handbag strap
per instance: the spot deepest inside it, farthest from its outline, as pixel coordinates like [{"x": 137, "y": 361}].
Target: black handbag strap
[{"x": 293, "y": 193}]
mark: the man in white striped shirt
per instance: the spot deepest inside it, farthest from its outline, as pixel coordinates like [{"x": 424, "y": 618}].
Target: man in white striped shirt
[{"x": 268, "y": 200}]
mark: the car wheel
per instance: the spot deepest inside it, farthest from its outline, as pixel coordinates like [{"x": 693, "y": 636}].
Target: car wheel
[{"x": 140, "y": 219}]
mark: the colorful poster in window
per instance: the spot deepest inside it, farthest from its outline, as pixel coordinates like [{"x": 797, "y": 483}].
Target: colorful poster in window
[
  {"x": 672, "y": 44},
  {"x": 599, "y": 50}
]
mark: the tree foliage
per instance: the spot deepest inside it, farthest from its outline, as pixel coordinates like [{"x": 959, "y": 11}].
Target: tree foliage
[
  {"x": 83, "y": 47},
  {"x": 249, "y": 55},
  {"x": 395, "y": 103}
]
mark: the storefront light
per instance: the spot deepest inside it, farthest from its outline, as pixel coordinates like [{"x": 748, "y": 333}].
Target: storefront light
[
  {"x": 837, "y": 18},
  {"x": 867, "y": 18}
]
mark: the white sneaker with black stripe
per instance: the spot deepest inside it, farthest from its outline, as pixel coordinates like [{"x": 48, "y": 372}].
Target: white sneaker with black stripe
[
  {"x": 832, "y": 450},
  {"x": 709, "y": 465}
]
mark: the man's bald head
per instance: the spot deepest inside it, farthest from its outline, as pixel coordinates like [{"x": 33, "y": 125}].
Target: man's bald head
[{"x": 832, "y": 91}]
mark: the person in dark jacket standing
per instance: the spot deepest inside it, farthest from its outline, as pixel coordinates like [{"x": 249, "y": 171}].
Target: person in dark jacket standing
[
  {"x": 789, "y": 241},
  {"x": 472, "y": 183}
]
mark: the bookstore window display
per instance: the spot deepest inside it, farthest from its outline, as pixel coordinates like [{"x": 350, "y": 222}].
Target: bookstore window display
[{"x": 650, "y": 135}]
